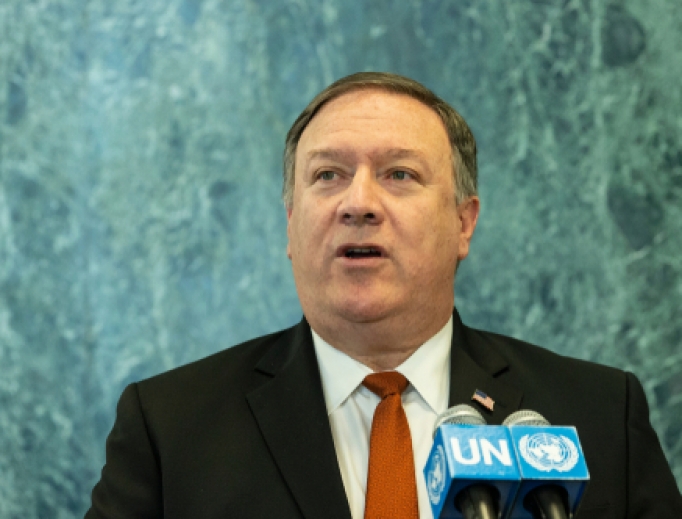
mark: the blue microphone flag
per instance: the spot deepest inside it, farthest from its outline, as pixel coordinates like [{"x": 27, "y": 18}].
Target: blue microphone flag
[
  {"x": 548, "y": 455},
  {"x": 463, "y": 455}
]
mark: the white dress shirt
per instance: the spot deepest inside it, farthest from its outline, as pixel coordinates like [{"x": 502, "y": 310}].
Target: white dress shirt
[{"x": 350, "y": 407}]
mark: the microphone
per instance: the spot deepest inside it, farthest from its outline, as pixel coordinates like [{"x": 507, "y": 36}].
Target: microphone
[
  {"x": 472, "y": 471},
  {"x": 461, "y": 414},
  {"x": 552, "y": 467}
]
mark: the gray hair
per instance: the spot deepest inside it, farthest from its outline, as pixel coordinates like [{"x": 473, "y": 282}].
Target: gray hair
[{"x": 461, "y": 138}]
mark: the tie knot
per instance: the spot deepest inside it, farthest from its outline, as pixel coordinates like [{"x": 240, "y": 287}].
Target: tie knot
[{"x": 385, "y": 383}]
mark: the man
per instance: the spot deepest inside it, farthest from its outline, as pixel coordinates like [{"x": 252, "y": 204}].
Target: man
[{"x": 380, "y": 193}]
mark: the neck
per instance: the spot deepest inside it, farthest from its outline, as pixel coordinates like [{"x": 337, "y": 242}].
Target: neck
[{"x": 381, "y": 345}]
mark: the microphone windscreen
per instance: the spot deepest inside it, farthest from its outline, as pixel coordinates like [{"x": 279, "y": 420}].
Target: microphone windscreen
[
  {"x": 525, "y": 417},
  {"x": 461, "y": 414}
]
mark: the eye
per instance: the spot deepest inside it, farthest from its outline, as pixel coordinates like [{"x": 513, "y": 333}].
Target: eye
[
  {"x": 399, "y": 174},
  {"x": 326, "y": 175}
]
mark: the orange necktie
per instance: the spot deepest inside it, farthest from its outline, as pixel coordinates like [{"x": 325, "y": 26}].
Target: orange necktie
[{"x": 391, "y": 484}]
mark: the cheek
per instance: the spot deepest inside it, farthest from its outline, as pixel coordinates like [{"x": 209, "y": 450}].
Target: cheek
[
  {"x": 294, "y": 235},
  {"x": 437, "y": 221},
  {"x": 304, "y": 235},
  {"x": 444, "y": 231}
]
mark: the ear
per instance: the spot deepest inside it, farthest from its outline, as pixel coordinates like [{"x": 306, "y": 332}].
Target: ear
[
  {"x": 289, "y": 211},
  {"x": 468, "y": 212}
]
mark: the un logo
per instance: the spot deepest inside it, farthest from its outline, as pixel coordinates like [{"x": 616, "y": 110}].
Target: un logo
[
  {"x": 547, "y": 452},
  {"x": 435, "y": 480}
]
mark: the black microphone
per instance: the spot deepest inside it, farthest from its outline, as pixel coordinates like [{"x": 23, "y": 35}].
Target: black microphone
[
  {"x": 461, "y": 464},
  {"x": 559, "y": 495}
]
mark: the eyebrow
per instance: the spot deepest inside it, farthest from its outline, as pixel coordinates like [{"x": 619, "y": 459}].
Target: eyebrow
[{"x": 341, "y": 155}]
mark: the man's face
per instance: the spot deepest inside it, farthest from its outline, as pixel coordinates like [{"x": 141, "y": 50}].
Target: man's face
[{"x": 374, "y": 230}]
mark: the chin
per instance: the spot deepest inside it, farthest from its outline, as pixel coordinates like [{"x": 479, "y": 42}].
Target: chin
[{"x": 366, "y": 310}]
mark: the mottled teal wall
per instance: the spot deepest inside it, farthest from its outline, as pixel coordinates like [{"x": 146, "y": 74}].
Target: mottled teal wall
[{"x": 140, "y": 222}]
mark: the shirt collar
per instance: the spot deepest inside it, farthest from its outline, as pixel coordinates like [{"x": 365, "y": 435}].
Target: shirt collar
[
  {"x": 427, "y": 369},
  {"x": 341, "y": 374}
]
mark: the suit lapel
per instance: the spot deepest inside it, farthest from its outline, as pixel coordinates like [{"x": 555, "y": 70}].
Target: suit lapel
[
  {"x": 476, "y": 364},
  {"x": 292, "y": 416}
]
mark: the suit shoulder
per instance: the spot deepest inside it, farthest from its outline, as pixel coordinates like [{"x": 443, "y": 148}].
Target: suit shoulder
[
  {"x": 234, "y": 365},
  {"x": 563, "y": 389},
  {"x": 536, "y": 359}
]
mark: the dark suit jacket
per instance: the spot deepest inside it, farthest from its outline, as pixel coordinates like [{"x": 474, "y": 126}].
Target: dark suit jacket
[{"x": 245, "y": 434}]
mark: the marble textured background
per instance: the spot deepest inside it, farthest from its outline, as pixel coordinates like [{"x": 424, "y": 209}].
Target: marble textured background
[{"x": 140, "y": 222}]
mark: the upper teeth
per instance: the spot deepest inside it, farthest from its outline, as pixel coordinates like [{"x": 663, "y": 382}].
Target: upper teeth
[{"x": 361, "y": 250}]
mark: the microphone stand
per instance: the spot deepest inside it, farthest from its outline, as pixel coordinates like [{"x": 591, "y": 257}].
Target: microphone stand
[
  {"x": 478, "y": 501},
  {"x": 547, "y": 502}
]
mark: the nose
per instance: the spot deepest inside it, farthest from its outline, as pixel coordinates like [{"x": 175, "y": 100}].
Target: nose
[{"x": 361, "y": 203}]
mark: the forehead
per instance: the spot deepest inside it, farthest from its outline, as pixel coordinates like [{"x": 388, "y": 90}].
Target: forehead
[{"x": 367, "y": 121}]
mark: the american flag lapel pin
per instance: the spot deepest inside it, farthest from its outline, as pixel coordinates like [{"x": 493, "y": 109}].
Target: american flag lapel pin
[{"x": 483, "y": 399}]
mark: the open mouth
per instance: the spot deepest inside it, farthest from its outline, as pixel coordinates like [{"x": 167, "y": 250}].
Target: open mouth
[{"x": 361, "y": 252}]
